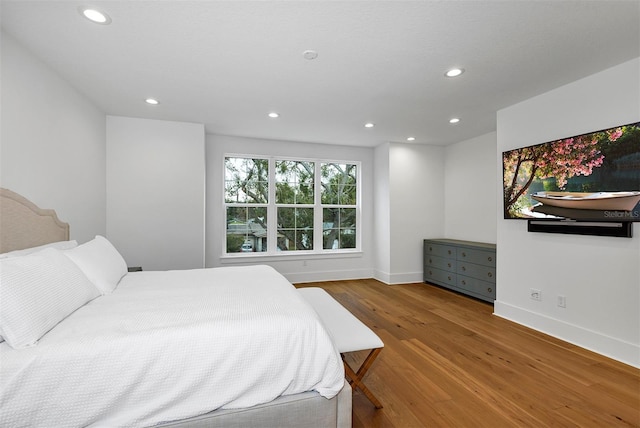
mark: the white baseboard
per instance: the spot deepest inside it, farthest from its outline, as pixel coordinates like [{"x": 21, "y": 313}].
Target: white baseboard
[
  {"x": 399, "y": 278},
  {"x": 382, "y": 276},
  {"x": 608, "y": 346},
  {"x": 335, "y": 275}
]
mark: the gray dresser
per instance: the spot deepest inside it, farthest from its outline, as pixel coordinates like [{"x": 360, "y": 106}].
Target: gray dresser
[{"x": 464, "y": 266}]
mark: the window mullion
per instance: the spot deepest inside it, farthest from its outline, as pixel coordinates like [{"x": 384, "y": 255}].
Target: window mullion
[
  {"x": 271, "y": 210},
  {"x": 317, "y": 209}
]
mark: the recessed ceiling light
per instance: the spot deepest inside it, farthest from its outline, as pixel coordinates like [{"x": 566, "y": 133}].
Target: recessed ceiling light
[
  {"x": 310, "y": 54},
  {"x": 369, "y": 125},
  {"x": 411, "y": 138},
  {"x": 454, "y": 120},
  {"x": 152, "y": 101},
  {"x": 95, "y": 15},
  {"x": 273, "y": 115},
  {"x": 454, "y": 72}
]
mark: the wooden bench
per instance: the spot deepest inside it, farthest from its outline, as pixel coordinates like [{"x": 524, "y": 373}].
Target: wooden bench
[{"x": 349, "y": 335}]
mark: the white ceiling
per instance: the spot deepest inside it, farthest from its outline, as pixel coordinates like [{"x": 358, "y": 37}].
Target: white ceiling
[{"x": 228, "y": 63}]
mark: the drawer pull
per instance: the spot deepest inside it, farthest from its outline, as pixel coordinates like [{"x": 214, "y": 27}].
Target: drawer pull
[
  {"x": 430, "y": 273},
  {"x": 449, "y": 251},
  {"x": 430, "y": 248},
  {"x": 449, "y": 264},
  {"x": 464, "y": 268},
  {"x": 489, "y": 289},
  {"x": 449, "y": 278},
  {"x": 464, "y": 282},
  {"x": 490, "y": 258},
  {"x": 490, "y": 275},
  {"x": 430, "y": 261},
  {"x": 464, "y": 254}
]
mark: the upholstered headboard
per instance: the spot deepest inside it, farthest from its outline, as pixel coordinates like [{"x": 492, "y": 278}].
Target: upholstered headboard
[{"x": 24, "y": 225}]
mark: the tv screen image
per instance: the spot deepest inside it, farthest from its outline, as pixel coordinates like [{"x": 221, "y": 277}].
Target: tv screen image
[{"x": 589, "y": 177}]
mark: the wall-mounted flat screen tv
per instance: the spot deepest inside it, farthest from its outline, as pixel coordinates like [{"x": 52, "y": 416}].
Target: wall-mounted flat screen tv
[{"x": 589, "y": 177}]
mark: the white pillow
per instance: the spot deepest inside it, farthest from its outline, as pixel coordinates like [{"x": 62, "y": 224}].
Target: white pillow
[
  {"x": 60, "y": 245},
  {"x": 38, "y": 291},
  {"x": 100, "y": 262}
]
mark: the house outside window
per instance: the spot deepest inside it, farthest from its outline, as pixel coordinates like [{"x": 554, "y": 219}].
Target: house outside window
[{"x": 290, "y": 206}]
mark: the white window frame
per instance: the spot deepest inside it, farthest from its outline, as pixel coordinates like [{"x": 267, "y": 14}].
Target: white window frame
[{"x": 272, "y": 226}]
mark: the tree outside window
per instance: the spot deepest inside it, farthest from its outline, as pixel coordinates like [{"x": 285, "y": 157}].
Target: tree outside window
[
  {"x": 294, "y": 202},
  {"x": 303, "y": 210},
  {"x": 246, "y": 197},
  {"x": 339, "y": 199}
]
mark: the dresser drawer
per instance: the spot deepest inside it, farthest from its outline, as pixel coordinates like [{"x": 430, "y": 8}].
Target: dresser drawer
[
  {"x": 440, "y": 263},
  {"x": 439, "y": 276},
  {"x": 479, "y": 257},
  {"x": 483, "y": 289},
  {"x": 439, "y": 250},
  {"x": 484, "y": 273},
  {"x": 464, "y": 266}
]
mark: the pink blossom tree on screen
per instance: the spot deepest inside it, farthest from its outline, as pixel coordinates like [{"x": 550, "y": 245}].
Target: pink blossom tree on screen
[{"x": 561, "y": 159}]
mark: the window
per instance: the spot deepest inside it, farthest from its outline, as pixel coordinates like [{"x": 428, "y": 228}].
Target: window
[
  {"x": 339, "y": 191},
  {"x": 246, "y": 194},
  {"x": 277, "y": 206},
  {"x": 294, "y": 204}
]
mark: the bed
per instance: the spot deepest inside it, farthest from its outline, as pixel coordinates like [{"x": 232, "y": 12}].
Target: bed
[{"x": 228, "y": 347}]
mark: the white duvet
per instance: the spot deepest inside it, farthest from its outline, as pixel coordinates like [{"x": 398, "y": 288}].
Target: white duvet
[{"x": 168, "y": 346}]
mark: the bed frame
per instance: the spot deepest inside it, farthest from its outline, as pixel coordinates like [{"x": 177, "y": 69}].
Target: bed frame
[{"x": 24, "y": 225}]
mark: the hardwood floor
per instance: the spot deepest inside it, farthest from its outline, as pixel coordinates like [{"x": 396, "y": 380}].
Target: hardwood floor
[{"x": 448, "y": 362}]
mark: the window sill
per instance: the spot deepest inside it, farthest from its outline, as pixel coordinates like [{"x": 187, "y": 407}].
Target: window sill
[{"x": 254, "y": 257}]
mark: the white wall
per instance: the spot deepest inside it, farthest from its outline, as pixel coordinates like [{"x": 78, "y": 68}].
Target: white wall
[
  {"x": 155, "y": 192},
  {"x": 52, "y": 142},
  {"x": 431, "y": 192},
  {"x": 417, "y": 198},
  {"x": 600, "y": 276},
  {"x": 470, "y": 201},
  {"x": 296, "y": 268},
  {"x": 382, "y": 214}
]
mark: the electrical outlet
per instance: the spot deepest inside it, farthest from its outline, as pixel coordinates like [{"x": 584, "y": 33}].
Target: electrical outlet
[
  {"x": 562, "y": 301},
  {"x": 535, "y": 294}
]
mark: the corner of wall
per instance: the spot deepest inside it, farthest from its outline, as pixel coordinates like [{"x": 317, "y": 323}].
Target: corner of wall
[{"x": 598, "y": 276}]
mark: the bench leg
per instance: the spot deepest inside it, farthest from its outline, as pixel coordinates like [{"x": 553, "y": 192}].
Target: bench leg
[{"x": 356, "y": 378}]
